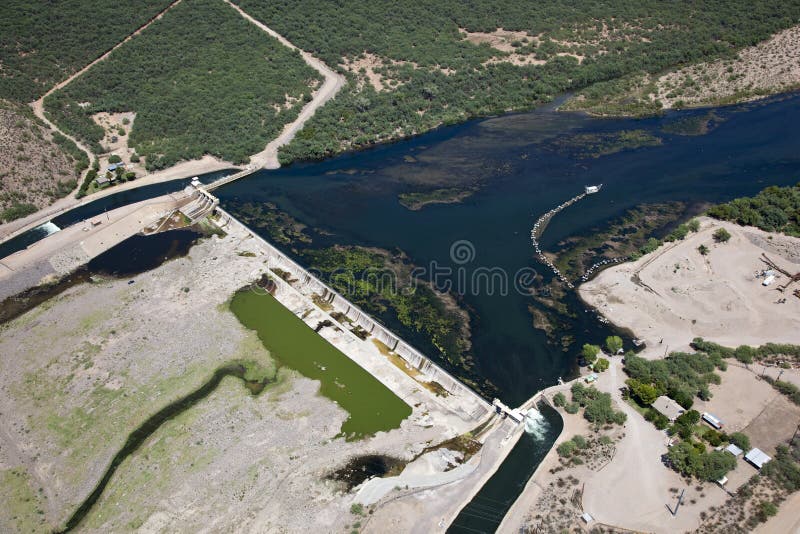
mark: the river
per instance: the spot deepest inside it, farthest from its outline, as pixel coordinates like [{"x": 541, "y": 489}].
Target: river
[{"x": 519, "y": 166}]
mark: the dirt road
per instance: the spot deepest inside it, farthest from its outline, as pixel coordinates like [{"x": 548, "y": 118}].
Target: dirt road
[{"x": 268, "y": 158}]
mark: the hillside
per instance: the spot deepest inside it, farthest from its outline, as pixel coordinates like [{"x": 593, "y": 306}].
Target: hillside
[
  {"x": 769, "y": 67},
  {"x": 416, "y": 66},
  {"x": 38, "y": 166}
]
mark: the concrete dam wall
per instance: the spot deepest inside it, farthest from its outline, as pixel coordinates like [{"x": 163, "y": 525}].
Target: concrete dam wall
[{"x": 307, "y": 283}]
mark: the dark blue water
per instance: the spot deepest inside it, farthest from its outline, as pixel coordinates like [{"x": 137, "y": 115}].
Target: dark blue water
[
  {"x": 524, "y": 172},
  {"x": 486, "y": 510},
  {"x": 100, "y": 206}
]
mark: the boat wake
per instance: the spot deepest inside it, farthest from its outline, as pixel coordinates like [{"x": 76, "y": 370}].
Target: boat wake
[{"x": 535, "y": 424}]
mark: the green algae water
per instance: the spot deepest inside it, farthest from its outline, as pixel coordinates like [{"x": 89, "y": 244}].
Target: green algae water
[{"x": 371, "y": 405}]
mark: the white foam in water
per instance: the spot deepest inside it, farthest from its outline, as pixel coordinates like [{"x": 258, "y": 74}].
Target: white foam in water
[
  {"x": 49, "y": 228},
  {"x": 535, "y": 424}
]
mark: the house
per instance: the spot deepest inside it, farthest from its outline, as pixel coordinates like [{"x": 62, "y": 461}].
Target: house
[
  {"x": 734, "y": 450},
  {"x": 757, "y": 457},
  {"x": 114, "y": 166},
  {"x": 102, "y": 180},
  {"x": 667, "y": 407},
  {"x": 711, "y": 420}
]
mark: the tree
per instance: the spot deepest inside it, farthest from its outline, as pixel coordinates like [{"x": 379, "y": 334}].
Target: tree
[
  {"x": 566, "y": 449},
  {"x": 601, "y": 365},
  {"x": 614, "y": 344},
  {"x": 740, "y": 440},
  {"x": 559, "y": 399},
  {"x": 646, "y": 394},
  {"x": 703, "y": 250},
  {"x": 113, "y": 158},
  {"x": 693, "y": 225},
  {"x": 722, "y": 235},
  {"x": 589, "y": 353}
]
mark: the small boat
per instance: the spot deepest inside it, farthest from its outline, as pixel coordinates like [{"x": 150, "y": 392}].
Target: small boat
[{"x": 591, "y": 189}]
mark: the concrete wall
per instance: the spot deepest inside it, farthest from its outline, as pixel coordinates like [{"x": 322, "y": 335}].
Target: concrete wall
[{"x": 305, "y": 281}]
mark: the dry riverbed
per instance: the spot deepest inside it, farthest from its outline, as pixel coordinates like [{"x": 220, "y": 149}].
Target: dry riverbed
[{"x": 81, "y": 371}]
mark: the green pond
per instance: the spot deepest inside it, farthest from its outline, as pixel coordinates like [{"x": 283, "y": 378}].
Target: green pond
[{"x": 371, "y": 406}]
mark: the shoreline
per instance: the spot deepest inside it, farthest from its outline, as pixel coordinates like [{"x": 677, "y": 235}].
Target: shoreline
[{"x": 183, "y": 170}]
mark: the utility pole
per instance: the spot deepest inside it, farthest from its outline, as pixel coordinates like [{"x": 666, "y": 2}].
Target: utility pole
[{"x": 680, "y": 501}]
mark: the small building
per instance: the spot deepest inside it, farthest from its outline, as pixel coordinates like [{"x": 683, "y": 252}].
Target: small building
[
  {"x": 113, "y": 167},
  {"x": 668, "y": 408},
  {"x": 734, "y": 450},
  {"x": 768, "y": 280},
  {"x": 587, "y": 518},
  {"x": 102, "y": 180},
  {"x": 712, "y": 420},
  {"x": 757, "y": 457}
]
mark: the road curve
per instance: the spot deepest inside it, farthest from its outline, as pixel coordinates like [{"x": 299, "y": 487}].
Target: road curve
[
  {"x": 268, "y": 158},
  {"x": 38, "y": 106}
]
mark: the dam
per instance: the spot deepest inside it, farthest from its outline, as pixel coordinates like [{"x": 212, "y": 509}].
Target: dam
[{"x": 349, "y": 317}]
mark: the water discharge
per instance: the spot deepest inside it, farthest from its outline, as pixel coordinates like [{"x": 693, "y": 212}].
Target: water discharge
[{"x": 536, "y": 425}]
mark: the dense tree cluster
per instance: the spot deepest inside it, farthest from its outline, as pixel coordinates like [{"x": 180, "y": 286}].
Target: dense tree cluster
[
  {"x": 598, "y": 407},
  {"x": 775, "y": 209},
  {"x": 42, "y": 43},
  {"x": 691, "y": 460},
  {"x": 202, "y": 80},
  {"x": 680, "y": 376},
  {"x": 445, "y": 78}
]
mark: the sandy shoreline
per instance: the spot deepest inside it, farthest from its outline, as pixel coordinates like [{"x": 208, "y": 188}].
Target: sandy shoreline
[{"x": 675, "y": 294}]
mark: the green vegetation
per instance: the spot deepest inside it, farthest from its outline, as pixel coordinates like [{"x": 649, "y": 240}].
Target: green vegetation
[
  {"x": 23, "y": 506},
  {"x": 559, "y": 399},
  {"x": 690, "y": 460},
  {"x": 721, "y": 235},
  {"x": 371, "y": 406},
  {"x": 42, "y": 43},
  {"x": 775, "y": 209},
  {"x": 379, "y": 283},
  {"x": 598, "y": 407},
  {"x": 622, "y": 237},
  {"x": 680, "y": 376},
  {"x": 740, "y": 440},
  {"x": 768, "y": 352},
  {"x": 17, "y": 210},
  {"x": 202, "y": 80},
  {"x": 613, "y": 344},
  {"x": 601, "y": 365},
  {"x": 786, "y": 388},
  {"x": 417, "y": 200},
  {"x": 596, "y": 145},
  {"x": 433, "y": 75},
  {"x": 589, "y": 353}
]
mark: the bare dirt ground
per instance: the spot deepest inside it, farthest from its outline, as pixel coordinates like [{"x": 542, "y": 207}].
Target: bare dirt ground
[
  {"x": 675, "y": 294},
  {"x": 769, "y": 67},
  {"x": 82, "y": 370},
  {"x": 625, "y": 487},
  {"x": 118, "y": 127},
  {"x": 33, "y": 168}
]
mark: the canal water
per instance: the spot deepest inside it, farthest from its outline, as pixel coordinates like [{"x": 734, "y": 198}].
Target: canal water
[{"x": 99, "y": 207}]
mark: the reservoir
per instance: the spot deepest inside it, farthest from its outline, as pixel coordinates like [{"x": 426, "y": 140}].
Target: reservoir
[
  {"x": 521, "y": 166},
  {"x": 508, "y": 171}
]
